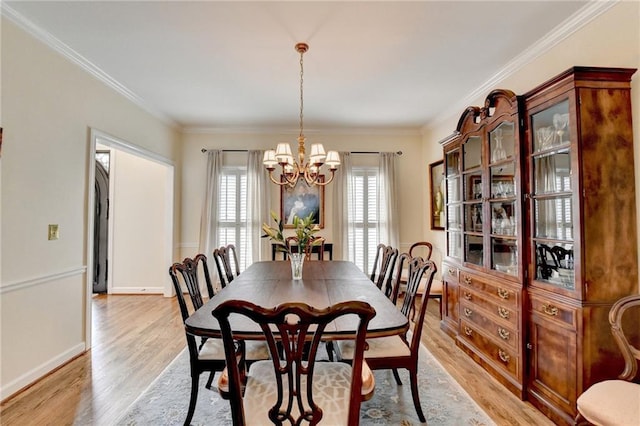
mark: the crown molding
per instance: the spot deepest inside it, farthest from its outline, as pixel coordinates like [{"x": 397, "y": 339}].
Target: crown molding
[
  {"x": 572, "y": 24},
  {"x": 76, "y": 58},
  {"x": 308, "y": 132}
]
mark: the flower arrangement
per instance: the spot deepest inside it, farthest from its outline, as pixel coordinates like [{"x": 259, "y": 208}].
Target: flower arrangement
[{"x": 304, "y": 230}]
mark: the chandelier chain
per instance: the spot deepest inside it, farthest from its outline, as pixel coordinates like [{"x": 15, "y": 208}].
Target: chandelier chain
[{"x": 301, "y": 92}]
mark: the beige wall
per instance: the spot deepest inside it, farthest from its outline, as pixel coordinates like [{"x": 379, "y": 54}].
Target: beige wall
[
  {"x": 612, "y": 40},
  {"x": 140, "y": 254},
  {"x": 409, "y": 167},
  {"x": 49, "y": 106}
]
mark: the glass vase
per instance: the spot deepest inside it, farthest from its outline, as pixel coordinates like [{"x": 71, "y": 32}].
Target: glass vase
[{"x": 297, "y": 261}]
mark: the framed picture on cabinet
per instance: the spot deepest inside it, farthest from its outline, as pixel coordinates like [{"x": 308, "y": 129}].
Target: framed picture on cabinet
[
  {"x": 436, "y": 182},
  {"x": 301, "y": 200}
]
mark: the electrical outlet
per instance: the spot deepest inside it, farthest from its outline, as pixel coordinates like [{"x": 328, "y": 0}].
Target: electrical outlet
[{"x": 54, "y": 233}]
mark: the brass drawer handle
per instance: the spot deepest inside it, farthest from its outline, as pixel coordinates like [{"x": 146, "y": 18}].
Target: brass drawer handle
[
  {"x": 468, "y": 312},
  {"x": 503, "y": 355},
  {"x": 467, "y": 280},
  {"x": 504, "y": 294},
  {"x": 467, "y": 296},
  {"x": 452, "y": 271},
  {"x": 504, "y": 313},
  {"x": 468, "y": 331},
  {"x": 550, "y": 310},
  {"x": 504, "y": 334}
]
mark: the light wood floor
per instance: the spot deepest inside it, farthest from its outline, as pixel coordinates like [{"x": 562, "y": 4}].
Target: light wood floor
[{"x": 135, "y": 338}]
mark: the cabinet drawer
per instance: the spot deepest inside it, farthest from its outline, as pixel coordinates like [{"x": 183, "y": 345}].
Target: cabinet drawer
[
  {"x": 507, "y": 313},
  {"x": 506, "y": 295},
  {"x": 553, "y": 311},
  {"x": 503, "y": 333},
  {"x": 450, "y": 273},
  {"x": 502, "y": 355}
]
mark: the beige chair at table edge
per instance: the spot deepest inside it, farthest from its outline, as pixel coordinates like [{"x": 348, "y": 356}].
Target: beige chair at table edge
[
  {"x": 617, "y": 402},
  {"x": 401, "y": 351},
  {"x": 335, "y": 393},
  {"x": 208, "y": 355},
  {"x": 226, "y": 258},
  {"x": 424, "y": 249}
]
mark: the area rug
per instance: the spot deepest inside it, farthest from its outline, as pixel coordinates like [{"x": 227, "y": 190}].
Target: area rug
[{"x": 444, "y": 402}]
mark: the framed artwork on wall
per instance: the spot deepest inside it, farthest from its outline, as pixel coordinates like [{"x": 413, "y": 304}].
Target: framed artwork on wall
[
  {"x": 436, "y": 182},
  {"x": 301, "y": 200}
]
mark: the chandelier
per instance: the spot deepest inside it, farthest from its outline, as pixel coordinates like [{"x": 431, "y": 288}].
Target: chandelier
[{"x": 294, "y": 170}]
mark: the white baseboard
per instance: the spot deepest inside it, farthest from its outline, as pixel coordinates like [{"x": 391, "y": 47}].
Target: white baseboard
[{"x": 31, "y": 376}]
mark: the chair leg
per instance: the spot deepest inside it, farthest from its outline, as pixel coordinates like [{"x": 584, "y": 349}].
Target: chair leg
[
  {"x": 329, "y": 346},
  {"x": 211, "y": 375},
  {"x": 195, "y": 382},
  {"x": 413, "y": 375},
  {"x": 397, "y": 376}
]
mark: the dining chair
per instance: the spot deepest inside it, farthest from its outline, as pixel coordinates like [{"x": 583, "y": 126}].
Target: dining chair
[
  {"x": 402, "y": 351},
  {"x": 617, "y": 402},
  {"x": 424, "y": 249},
  {"x": 294, "y": 247},
  {"x": 208, "y": 354},
  {"x": 295, "y": 387},
  {"x": 227, "y": 263},
  {"x": 383, "y": 265},
  {"x": 392, "y": 289}
]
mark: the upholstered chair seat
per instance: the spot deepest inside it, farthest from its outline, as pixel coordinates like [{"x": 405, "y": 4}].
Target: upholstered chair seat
[
  {"x": 381, "y": 347},
  {"x": 612, "y": 402},
  {"x": 214, "y": 349},
  {"x": 331, "y": 387}
]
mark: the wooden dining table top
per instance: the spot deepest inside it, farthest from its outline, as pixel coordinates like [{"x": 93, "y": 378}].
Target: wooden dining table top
[{"x": 324, "y": 283}]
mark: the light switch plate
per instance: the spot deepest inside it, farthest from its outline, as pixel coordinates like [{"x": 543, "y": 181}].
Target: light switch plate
[{"x": 54, "y": 234}]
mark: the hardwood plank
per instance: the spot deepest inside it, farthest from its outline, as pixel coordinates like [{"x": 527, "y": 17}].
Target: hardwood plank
[{"x": 135, "y": 338}]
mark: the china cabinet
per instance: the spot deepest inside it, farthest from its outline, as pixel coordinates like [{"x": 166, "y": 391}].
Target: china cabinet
[
  {"x": 540, "y": 224},
  {"x": 582, "y": 249},
  {"x": 483, "y": 271}
]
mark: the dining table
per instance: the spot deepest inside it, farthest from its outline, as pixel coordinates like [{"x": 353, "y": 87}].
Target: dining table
[{"x": 324, "y": 283}]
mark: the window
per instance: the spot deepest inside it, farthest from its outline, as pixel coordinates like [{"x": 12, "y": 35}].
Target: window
[
  {"x": 232, "y": 212},
  {"x": 363, "y": 217}
]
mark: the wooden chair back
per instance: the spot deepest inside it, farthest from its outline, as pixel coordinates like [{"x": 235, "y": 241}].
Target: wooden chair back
[
  {"x": 383, "y": 265},
  {"x": 187, "y": 274},
  {"x": 292, "y": 245},
  {"x": 421, "y": 249},
  {"x": 392, "y": 289},
  {"x": 626, "y": 332},
  {"x": 226, "y": 258},
  {"x": 295, "y": 329},
  {"x": 419, "y": 269}
]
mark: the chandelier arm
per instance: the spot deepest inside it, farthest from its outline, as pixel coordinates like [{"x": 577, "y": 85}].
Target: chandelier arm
[
  {"x": 275, "y": 181},
  {"x": 333, "y": 172}
]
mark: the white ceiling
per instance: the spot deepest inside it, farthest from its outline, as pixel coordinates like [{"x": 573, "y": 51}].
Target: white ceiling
[{"x": 232, "y": 65}]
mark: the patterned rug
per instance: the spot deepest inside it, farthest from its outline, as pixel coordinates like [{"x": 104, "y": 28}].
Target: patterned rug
[{"x": 444, "y": 402}]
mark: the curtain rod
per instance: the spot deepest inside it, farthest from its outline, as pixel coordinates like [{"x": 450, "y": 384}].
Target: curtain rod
[
  {"x": 226, "y": 150},
  {"x": 351, "y": 152},
  {"x": 373, "y": 152}
]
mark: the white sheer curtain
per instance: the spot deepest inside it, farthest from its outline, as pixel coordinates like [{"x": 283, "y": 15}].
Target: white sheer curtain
[
  {"x": 258, "y": 207},
  {"x": 341, "y": 205},
  {"x": 209, "y": 217},
  {"x": 388, "y": 226}
]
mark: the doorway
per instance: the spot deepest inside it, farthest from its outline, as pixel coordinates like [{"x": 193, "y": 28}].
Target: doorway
[
  {"x": 101, "y": 224},
  {"x": 130, "y": 215}
]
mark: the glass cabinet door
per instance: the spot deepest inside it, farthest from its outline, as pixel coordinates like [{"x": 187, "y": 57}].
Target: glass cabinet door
[
  {"x": 473, "y": 200},
  {"x": 453, "y": 204},
  {"x": 552, "y": 196},
  {"x": 502, "y": 197}
]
